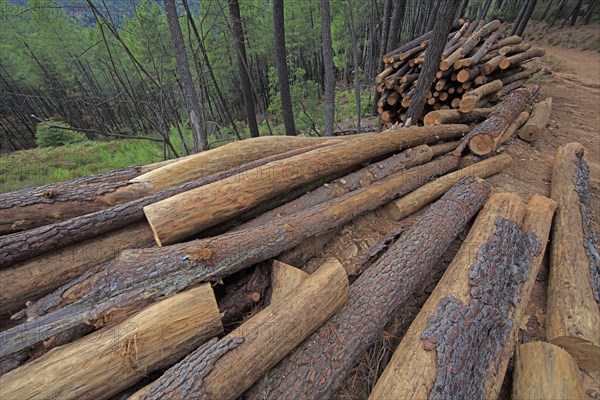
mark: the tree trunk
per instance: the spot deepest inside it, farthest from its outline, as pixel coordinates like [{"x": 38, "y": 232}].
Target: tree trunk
[
  {"x": 462, "y": 339},
  {"x": 574, "y": 288},
  {"x": 576, "y": 12},
  {"x": 470, "y": 99},
  {"x": 104, "y": 363},
  {"x": 220, "y": 201},
  {"x": 95, "y": 298},
  {"x": 284, "y": 280},
  {"x": 192, "y": 100},
  {"x": 225, "y": 369},
  {"x": 434, "y": 52},
  {"x": 356, "y": 66},
  {"x": 246, "y": 87},
  {"x": 328, "y": 67},
  {"x": 590, "y": 11},
  {"x": 396, "y": 25},
  {"x": 282, "y": 69},
  {"x": 414, "y": 201},
  {"x": 540, "y": 115},
  {"x": 330, "y": 353},
  {"x": 525, "y": 20},
  {"x": 440, "y": 117},
  {"x": 545, "y": 371},
  {"x": 385, "y": 28},
  {"x": 485, "y": 10}
]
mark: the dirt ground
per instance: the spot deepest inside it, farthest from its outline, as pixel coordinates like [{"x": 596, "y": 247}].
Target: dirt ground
[{"x": 574, "y": 85}]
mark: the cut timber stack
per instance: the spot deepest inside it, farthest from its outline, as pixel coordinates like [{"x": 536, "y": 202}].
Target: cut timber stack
[{"x": 478, "y": 67}]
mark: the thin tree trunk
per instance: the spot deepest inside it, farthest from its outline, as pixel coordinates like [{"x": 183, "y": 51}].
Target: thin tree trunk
[
  {"x": 558, "y": 12},
  {"x": 329, "y": 68},
  {"x": 282, "y": 70},
  {"x": 387, "y": 9},
  {"x": 396, "y": 25},
  {"x": 526, "y": 16},
  {"x": 575, "y": 13},
  {"x": 485, "y": 10},
  {"x": 547, "y": 9},
  {"x": 355, "y": 61},
  {"x": 589, "y": 12}
]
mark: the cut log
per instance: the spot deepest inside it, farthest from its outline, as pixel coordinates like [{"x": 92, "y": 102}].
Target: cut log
[
  {"x": 224, "y": 369},
  {"x": 31, "y": 279},
  {"x": 540, "y": 115},
  {"x": 242, "y": 296},
  {"x": 545, "y": 371},
  {"x": 512, "y": 129},
  {"x": 454, "y": 116},
  {"x": 443, "y": 148},
  {"x": 483, "y": 49},
  {"x": 284, "y": 280},
  {"x": 521, "y": 58},
  {"x": 469, "y": 44},
  {"x": 508, "y": 41},
  {"x": 573, "y": 319},
  {"x": 508, "y": 89},
  {"x": 467, "y": 74},
  {"x": 201, "y": 208},
  {"x": 414, "y": 201},
  {"x": 24, "y": 245},
  {"x": 514, "y": 49},
  {"x": 491, "y": 65},
  {"x": 457, "y": 344},
  {"x": 124, "y": 284},
  {"x": 481, "y": 140},
  {"x": 108, "y": 361},
  {"x": 470, "y": 99},
  {"x": 525, "y": 74},
  {"x": 330, "y": 353}
]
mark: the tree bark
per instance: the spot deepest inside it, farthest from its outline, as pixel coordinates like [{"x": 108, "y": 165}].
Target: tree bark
[
  {"x": 462, "y": 339},
  {"x": 328, "y": 67},
  {"x": 414, "y": 201},
  {"x": 540, "y": 115},
  {"x": 246, "y": 87},
  {"x": 512, "y": 129},
  {"x": 192, "y": 100},
  {"x": 201, "y": 208},
  {"x": 141, "y": 276},
  {"x": 104, "y": 363},
  {"x": 470, "y": 99},
  {"x": 545, "y": 371},
  {"x": 385, "y": 28},
  {"x": 225, "y": 369},
  {"x": 282, "y": 69},
  {"x": 440, "y": 117},
  {"x": 396, "y": 22},
  {"x": 520, "y": 58},
  {"x": 573, "y": 317},
  {"x": 330, "y": 353},
  {"x": 514, "y": 49}
]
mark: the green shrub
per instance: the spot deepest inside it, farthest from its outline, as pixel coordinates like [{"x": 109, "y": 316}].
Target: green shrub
[{"x": 47, "y": 134}]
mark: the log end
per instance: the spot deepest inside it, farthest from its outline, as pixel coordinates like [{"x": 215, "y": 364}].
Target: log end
[
  {"x": 504, "y": 63},
  {"x": 482, "y": 144},
  {"x": 585, "y": 352},
  {"x": 530, "y": 133},
  {"x": 445, "y": 65},
  {"x": 432, "y": 118},
  {"x": 468, "y": 104},
  {"x": 463, "y": 76}
]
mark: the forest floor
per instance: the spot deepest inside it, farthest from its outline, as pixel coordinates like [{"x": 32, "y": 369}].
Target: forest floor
[{"x": 574, "y": 85}]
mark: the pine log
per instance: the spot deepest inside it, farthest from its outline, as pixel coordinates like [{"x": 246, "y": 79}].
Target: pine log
[
  {"x": 140, "y": 276},
  {"x": 573, "y": 317},
  {"x": 458, "y": 35},
  {"x": 201, "y": 208},
  {"x": 243, "y": 295},
  {"x": 414, "y": 201},
  {"x": 471, "y": 98},
  {"x": 469, "y": 44},
  {"x": 443, "y": 148},
  {"x": 467, "y": 74},
  {"x": 507, "y": 41},
  {"x": 511, "y": 130},
  {"x": 330, "y": 353},
  {"x": 540, "y": 115},
  {"x": 525, "y": 74},
  {"x": 508, "y": 89},
  {"x": 456, "y": 116},
  {"x": 492, "y": 54},
  {"x": 31, "y": 279},
  {"x": 458, "y": 344},
  {"x": 34, "y": 242},
  {"x": 108, "y": 361},
  {"x": 481, "y": 139},
  {"x": 492, "y": 65},
  {"x": 483, "y": 49},
  {"x": 225, "y": 369},
  {"x": 545, "y": 371},
  {"x": 514, "y": 49},
  {"x": 521, "y": 58},
  {"x": 284, "y": 280},
  {"x": 384, "y": 74}
]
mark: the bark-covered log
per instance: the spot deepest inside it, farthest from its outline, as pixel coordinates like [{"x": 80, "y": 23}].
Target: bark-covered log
[
  {"x": 242, "y": 296},
  {"x": 514, "y": 49},
  {"x": 414, "y": 201},
  {"x": 491, "y": 65},
  {"x": 466, "y": 75},
  {"x": 457, "y": 344},
  {"x": 545, "y": 371},
  {"x": 104, "y": 363},
  {"x": 573, "y": 317},
  {"x": 481, "y": 139},
  {"x": 443, "y": 148},
  {"x": 540, "y": 115},
  {"x": 456, "y": 116},
  {"x": 318, "y": 367},
  {"x": 521, "y": 58},
  {"x": 470, "y": 99},
  {"x": 31, "y": 279},
  {"x": 507, "y": 41},
  {"x": 31, "y": 243},
  {"x": 141, "y": 276},
  {"x": 469, "y": 44},
  {"x": 525, "y": 74},
  {"x": 483, "y": 49},
  {"x": 225, "y": 369},
  {"x": 284, "y": 280},
  {"x": 512, "y": 129},
  {"x": 198, "y": 209}
]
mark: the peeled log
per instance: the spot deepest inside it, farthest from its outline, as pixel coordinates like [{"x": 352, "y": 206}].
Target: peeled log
[
  {"x": 224, "y": 369},
  {"x": 456, "y": 116},
  {"x": 102, "y": 364},
  {"x": 573, "y": 319},
  {"x": 470, "y": 99},
  {"x": 457, "y": 344},
  {"x": 330, "y": 353},
  {"x": 201, "y": 208},
  {"x": 137, "y": 277},
  {"x": 545, "y": 371},
  {"x": 414, "y": 201},
  {"x": 540, "y": 115}
]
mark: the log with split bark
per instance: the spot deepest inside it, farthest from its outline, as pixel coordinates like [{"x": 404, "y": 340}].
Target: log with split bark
[
  {"x": 573, "y": 317},
  {"x": 540, "y": 115},
  {"x": 329, "y": 354},
  {"x": 461, "y": 341},
  {"x": 456, "y": 116},
  {"x": 102, "y": 364},
  {"x": 138, "y": 277},
  {"x": 471, "y": 98}
]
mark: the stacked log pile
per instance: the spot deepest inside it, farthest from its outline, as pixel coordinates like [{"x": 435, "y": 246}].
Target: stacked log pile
[{"x": 479, "y": 66}]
